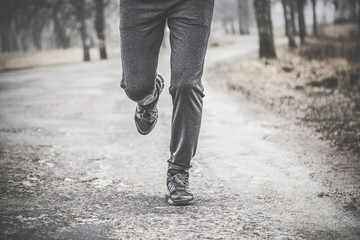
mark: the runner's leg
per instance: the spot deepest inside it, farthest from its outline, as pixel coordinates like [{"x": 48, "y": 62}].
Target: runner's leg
[
  {"x": 189, "y": 23},
  {"x": 142, "y": 26}
]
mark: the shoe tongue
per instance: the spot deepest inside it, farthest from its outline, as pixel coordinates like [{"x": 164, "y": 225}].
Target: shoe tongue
[
  {"x": 147, "y": 115},
  {"x": 172, "y": 172}
]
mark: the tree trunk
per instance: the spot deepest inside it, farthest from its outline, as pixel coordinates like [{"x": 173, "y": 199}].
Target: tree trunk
[
  {"x": 233, "y": 31},
  {"x": 79, "y": 6},
  {"x": 225, "y": 27},
  {"x": 36, "y": 35},
  {"x": 289, "y": 30},
  {"x": 284, "y": 4},
  {"x": 5, "y": 31},
  {"x": 38, "y": 27},
  {"x": 264, "y": 24},
  {"x": 13, "y": 40},
  {"x": 243, "y": 16},
  {"x": 315, "y": 31},
  {"x": 100, "y": 27},
  {"x": 7, "y": 28},
  {"x": 302, "y": 26},
  {"x": 359, "y": 16},
  {"x": 292, "y": 12},
  {"x": 61, "y": 40},
  {"x": 85, "y": 40}
]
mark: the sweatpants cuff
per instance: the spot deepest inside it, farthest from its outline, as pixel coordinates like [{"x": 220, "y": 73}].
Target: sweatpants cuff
[{"x": 177, "y": 167}]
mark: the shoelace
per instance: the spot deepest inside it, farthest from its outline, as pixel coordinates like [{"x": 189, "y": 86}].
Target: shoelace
[
  {"x": 179, "y": 182},
  {"x": 148, "y": 115}
]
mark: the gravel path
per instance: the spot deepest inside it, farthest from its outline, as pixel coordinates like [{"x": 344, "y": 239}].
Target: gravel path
[{"x": 72, "y": 165}]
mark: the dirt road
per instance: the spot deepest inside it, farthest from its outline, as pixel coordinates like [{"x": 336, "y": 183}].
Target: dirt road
[{"x": 74, "y": 167}]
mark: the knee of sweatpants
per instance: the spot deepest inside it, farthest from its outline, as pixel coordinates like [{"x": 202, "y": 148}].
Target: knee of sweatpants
[
  {"x": 136, "y": 91},
  {"x": 187, "y": 87}
]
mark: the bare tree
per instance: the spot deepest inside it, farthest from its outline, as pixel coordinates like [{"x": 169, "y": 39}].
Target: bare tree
[
  {"x": 358, "y": 7},
  {"x": 233, "y": 31},
  {"x": 81, "y": 16},
  {"x": 226, "y": 13},
  {"x": 61, "y": 15},
  {"x": 345, "y": 11},
  {"x": 243, "y": 6},
  {"x": 315, "y": 31},
  {"x": 293, "y": 12},
  {"x": 286, "y": 20},
  {"x": 8, "y": 41},
  {"x": 302, "y": 25},
  {"x": 288, "y": 25},
  {"x": 22, "y": 24},
  {"x": 100, "y": 26},
  {"x": 52, "y": 24},
  {"x": 264, "y": 24}
]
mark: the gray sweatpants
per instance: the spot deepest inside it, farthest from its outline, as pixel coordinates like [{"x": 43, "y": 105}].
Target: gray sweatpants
[{"x": 142, "y": 24}]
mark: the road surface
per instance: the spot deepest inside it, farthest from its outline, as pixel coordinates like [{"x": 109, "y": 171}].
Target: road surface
[{"x": 74, "y": 167}]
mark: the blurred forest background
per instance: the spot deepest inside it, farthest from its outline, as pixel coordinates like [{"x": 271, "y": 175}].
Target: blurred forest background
[
  {"x": 315, "y": 77},
  {"x": 43, "y": 25}
]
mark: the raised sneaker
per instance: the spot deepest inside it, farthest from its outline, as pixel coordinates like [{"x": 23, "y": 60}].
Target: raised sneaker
[{"x": 146, "y": 116}]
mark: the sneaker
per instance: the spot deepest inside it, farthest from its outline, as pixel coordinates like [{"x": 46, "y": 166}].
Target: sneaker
[
  {"x": 178, "y": 188},
  {"x": 146, "y": 116}
]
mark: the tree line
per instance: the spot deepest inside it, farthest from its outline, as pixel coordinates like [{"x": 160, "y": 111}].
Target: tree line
[
  {"x": 264, "y": 24},
  {"x": 23, "y": 24},
  {"x": 345, "y": 10}
]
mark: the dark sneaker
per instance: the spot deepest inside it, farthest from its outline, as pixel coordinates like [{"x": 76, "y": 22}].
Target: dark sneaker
[
  {"x": 178, "y": 187},
  {"x": 146, "y": 116}
]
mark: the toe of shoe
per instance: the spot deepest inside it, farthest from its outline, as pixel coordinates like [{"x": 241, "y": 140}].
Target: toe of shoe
[
  {"x": 181, "y": 196},
  {"x": 144, "y": 127}
]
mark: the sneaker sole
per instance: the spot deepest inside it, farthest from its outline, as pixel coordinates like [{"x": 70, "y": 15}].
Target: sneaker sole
[
  {"x": 178, "y": 203},
  {"x": 145, "y": 133}
]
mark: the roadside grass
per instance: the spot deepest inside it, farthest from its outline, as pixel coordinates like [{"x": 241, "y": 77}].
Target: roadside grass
[{"x": 319, "y": 83}]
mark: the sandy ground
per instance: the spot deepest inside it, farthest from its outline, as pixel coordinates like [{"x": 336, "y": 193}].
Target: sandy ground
[{"x": 74, "y": 167}]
